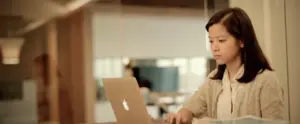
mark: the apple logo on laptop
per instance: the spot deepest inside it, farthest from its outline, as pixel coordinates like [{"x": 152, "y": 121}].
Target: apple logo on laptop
[{"x": 125, "y": 105}]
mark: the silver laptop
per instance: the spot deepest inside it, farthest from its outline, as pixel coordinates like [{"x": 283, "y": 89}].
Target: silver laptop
[{"x": 127, "y": 101}]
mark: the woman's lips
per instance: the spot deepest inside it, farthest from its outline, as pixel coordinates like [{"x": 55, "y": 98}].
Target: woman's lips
[{"x": 217, "y": 56}]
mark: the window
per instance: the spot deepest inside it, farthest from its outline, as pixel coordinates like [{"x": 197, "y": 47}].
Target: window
[
  {"x": 192, "y": 71},
  {"x": 108, "y": 67},
  {"x": 164, "y": 62}
]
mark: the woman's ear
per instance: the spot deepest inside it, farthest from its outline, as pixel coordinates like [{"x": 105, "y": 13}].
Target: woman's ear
[{"x": 241, "y": 44}]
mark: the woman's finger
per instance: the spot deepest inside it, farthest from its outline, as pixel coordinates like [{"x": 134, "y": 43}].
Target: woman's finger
[
  {"x": 178, "y": 119},
  {"x": 172, "y": 118},
  {"x": 168, "y": 117}
]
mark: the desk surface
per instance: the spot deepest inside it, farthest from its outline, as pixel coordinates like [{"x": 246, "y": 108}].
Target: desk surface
[
  {"x": 154, "y": 122},
  {"x": 205, "y": 122},
  {"x": 116, "y": 123},
  {"x": 161, "y": 122}
]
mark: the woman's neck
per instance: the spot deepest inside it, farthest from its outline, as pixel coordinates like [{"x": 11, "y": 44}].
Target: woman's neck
[{"x": 233, "y": 67}]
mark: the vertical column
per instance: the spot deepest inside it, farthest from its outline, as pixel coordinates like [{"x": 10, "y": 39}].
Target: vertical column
[
  {"x": 75, "y": 62},
  {"x": 254, "y": 9},
  {"x": 277, "y": 46},
  {"x": 293, "y": 29},
  {"x": 52, "y": 71},
  {"x": 267, "y": 17},
  {"x": 90, "y": 87}
]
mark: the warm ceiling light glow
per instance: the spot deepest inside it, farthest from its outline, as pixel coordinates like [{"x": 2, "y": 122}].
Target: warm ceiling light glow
[
  {"x": 11, "y": 48},
  {"x": 76, "y": 4}
]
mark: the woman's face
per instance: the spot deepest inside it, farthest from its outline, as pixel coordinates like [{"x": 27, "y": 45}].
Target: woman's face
[{"x": 225, "y": 48}]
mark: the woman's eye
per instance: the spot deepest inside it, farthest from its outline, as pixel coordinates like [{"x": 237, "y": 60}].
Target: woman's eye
[{"x": 222, "y": 41}]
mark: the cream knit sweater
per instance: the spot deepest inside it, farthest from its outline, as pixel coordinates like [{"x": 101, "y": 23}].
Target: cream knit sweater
[{"x": 263, "y": 97}]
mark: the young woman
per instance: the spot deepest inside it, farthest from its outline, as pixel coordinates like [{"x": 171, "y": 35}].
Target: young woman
[{"x": 243, "y": 83}]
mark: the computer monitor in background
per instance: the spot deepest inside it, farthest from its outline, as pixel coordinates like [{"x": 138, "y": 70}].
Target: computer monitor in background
[{"x": 157, "y": 79}]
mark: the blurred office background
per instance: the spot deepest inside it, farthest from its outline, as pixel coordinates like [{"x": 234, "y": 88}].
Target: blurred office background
[{"x": 163, "y": 43}]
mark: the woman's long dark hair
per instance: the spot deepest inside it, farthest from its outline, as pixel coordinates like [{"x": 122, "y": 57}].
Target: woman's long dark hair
[{"x": 239, "y": 25}]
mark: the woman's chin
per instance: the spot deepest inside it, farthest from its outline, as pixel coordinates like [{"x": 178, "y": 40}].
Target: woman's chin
[{"x": 219, "y": 62}]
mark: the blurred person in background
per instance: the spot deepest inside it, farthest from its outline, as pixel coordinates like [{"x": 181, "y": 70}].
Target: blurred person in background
[
  {"x": 41, "y": 75},
  {"x": 42, "y": 83},
  {"x": 144, "y": 84},
  {"x": 243, "y": 83},
  {"x": 130, "y": 71}
]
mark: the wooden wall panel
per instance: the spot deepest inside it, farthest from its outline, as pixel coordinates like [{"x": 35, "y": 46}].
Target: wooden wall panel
[{"x": 75, "y": 62}]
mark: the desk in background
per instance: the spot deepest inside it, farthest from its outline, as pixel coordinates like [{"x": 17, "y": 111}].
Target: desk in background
[{"x": 116, "y": 123}]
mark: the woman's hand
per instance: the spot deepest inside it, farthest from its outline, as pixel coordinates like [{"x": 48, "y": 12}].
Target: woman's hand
[{"x": 184, "y": 116}]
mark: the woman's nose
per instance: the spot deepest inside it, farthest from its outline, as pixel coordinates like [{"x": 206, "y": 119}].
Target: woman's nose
[{"x": 214, "y": 47}]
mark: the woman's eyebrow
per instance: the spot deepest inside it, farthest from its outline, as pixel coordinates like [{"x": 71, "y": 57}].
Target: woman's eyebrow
[{"x": 218, "y": 36}]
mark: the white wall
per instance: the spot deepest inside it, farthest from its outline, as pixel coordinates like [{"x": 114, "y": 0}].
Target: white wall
[{"x": 149, "y": 32}]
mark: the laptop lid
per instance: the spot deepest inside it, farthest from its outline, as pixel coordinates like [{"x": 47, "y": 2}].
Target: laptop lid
[{"x": 126, "y": 100}]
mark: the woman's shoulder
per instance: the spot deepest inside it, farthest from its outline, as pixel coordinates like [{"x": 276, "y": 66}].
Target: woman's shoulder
[
  {"x": 268, "y": 78},
  {"x": 266, "y": 75}
]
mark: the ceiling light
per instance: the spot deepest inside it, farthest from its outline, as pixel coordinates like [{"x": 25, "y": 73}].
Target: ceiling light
[{"x": 11, "y": 48}]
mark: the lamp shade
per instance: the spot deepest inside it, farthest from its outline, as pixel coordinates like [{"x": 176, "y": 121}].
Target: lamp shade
[{"x": 11, "y": 48}]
